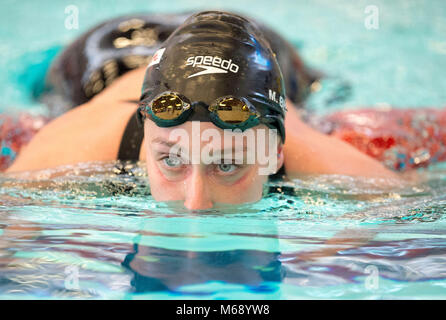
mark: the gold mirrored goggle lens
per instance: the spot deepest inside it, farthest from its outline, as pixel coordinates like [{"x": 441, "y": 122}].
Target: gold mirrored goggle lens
[
  {"x": 168, "y": 107},
  {"x": 232, "y": 110}
]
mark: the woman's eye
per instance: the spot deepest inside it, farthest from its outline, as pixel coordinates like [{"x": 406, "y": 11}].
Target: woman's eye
[
  {"x": 227, "y": 168},
  {"x": 173, "y": 162}
]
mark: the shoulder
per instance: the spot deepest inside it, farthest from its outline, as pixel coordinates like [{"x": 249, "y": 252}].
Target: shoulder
[
  {"x": 308, "y": 151},
  {"x": 90, "y": 132}
]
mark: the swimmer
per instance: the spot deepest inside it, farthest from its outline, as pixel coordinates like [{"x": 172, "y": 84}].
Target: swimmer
[
  {"x": 219, "y": 71},
  {"x": 107, "y": 51}
]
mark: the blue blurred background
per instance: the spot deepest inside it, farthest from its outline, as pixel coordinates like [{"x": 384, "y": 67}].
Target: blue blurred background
[{"x": 402, "y": 63}]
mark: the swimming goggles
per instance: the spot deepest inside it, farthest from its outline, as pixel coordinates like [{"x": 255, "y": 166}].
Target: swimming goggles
[{"x": 171, "y": 109}]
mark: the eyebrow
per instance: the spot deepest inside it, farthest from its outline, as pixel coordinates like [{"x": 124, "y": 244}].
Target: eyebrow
[
  {"x": 223, "y": 152},
  {"x": 163, "y": 142}
]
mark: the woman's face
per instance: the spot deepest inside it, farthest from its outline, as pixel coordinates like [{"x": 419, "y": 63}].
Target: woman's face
[{"x": 197, "y": 164}]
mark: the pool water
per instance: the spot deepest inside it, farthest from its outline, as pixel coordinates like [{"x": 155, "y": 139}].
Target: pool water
[
  {"x": 90, "y": 232},
  {"x": 401, "y": 63}
]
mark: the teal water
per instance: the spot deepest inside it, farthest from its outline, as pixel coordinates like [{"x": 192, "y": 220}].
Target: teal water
[
  {"x": 90, "y": 233},
  {"x": 402, "y": 63}
]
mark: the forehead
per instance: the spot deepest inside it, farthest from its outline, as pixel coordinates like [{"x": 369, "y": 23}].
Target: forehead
[{"x": 202, "y": 133}]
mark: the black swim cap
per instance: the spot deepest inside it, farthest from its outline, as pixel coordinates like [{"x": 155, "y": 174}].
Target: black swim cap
[{"x": 215, "y": 54}]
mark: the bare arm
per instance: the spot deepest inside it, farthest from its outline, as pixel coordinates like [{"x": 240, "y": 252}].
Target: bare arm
[
  {"x": 90, "y": 132},
  {"x": 308, "y": 151}
]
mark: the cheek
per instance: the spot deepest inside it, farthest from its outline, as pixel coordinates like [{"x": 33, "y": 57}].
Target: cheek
[
  {"x": 161, "y": 188},
  {"x": 247, "y": 189},
  {"x": 254, "y": 191}
]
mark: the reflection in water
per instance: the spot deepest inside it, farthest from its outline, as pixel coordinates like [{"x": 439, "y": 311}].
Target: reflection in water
[
  {"x": 308, "y": 238},
  {"x": 157, "y": 269}
]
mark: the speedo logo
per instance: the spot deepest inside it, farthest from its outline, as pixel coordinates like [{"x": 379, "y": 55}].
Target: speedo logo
[{"x": 211, "y": 65}]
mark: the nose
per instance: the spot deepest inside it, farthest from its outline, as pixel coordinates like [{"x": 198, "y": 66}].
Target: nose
[{"x": 197, "y": 193}]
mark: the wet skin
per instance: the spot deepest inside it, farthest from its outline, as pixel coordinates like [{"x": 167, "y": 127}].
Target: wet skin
[{"x": 92, "y": 132}]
